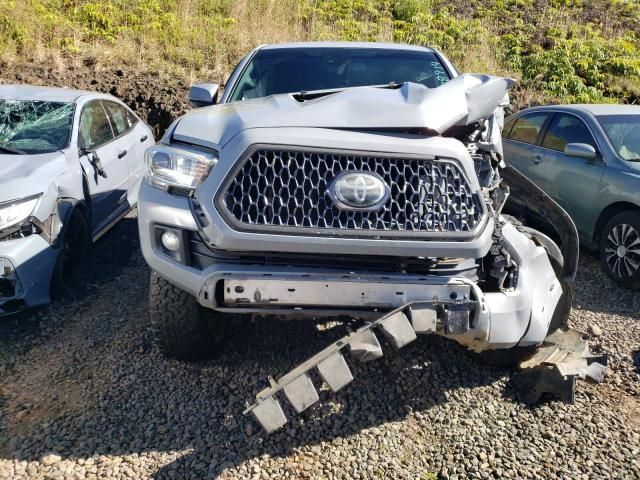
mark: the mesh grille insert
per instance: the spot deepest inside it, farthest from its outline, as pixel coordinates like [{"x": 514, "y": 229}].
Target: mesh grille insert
[{"x": 288, "y": 190}]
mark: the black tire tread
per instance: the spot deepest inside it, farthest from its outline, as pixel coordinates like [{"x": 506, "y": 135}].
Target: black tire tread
[
  {"x": 61, "y": 270},
  {"x": 181, "y": 329}
]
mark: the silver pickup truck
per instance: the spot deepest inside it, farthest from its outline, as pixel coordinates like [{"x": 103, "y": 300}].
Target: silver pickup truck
[{"x": 348, "y": 179}]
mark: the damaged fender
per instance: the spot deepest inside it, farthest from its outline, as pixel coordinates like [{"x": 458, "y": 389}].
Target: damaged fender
[{"x": 560, "y": 221}]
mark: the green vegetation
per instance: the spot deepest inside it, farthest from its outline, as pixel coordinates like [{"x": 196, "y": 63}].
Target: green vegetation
[{"x": 560, "y": 50}]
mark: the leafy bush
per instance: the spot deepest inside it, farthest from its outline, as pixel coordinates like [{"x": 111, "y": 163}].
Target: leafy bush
[{"x": 560, "y": 50}]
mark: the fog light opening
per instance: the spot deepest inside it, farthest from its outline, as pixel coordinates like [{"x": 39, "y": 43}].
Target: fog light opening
[{"x": 170, "y": 241}]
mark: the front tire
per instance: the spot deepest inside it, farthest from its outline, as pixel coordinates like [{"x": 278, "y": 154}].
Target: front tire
[
  {"x": 182, "y": 329},
  {"x": 620, "y": 249},
  {"x": 76, "y": 241}
]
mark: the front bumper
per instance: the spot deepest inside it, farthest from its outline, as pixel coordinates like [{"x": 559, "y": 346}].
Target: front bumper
[
  {"x": 26, "y": 268},
  {"x": 495, "y": 319}
]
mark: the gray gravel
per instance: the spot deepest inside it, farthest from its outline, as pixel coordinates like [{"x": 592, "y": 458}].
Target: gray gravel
[{"x": 83, "y": 394}]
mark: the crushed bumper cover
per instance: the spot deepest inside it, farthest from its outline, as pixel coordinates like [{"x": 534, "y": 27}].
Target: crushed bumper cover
[
  {"x": 501, "y": 319},
  {"x": 26, "y": 267}
]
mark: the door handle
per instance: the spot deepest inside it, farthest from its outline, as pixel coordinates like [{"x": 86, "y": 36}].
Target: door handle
[
  {"x": 537, "y": 159},
  {"x": 143, "y": 138},
  {"x": 122, "y": 153}
]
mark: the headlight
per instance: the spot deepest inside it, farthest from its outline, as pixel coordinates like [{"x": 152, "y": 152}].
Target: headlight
[
  {"x": 172, "y": 167},
  {"x": 16, "y": 211}
]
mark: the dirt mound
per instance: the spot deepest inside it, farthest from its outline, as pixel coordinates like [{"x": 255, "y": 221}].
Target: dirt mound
[{"x": 157, "y": 99}]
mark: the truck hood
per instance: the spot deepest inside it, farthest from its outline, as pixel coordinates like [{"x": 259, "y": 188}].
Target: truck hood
[
  {"x": 463, "y": 100},
  {"x": 25, "y": 175}
]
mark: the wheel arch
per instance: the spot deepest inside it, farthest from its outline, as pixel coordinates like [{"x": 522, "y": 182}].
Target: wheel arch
[
  {"x": 65, "y": 208},
  {"x": 606, "y": 214}
]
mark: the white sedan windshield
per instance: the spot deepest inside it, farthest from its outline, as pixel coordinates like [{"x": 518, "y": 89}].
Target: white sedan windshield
[{"x": 34, "y": 126}]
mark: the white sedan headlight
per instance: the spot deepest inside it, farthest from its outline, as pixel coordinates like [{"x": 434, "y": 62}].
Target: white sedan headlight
[
  {"x": 176, "y": 167},
  {"x": 16, "y": 211}
]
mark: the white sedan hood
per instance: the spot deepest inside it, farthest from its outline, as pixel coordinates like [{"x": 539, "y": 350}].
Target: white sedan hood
[{"x": 25, "y": 175}]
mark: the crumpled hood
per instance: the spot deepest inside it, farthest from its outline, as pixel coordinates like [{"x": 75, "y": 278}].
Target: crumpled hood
[
  {"x": 25, "y": 175},
  {"x": 463, "y": 100}
]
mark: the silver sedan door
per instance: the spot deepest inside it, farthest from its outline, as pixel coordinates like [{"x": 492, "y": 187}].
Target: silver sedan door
[
  {"x": 103, "y": 159},
  {"x": 135, "y": 137}
]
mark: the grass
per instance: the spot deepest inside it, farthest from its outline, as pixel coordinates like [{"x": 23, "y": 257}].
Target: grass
[{"x": 560, "y": 50}]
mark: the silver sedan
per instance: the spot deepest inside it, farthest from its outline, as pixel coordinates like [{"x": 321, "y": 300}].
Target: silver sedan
[{"x": 70, "y": 167}]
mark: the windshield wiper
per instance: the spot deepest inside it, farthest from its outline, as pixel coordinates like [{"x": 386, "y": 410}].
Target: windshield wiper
[
  {"x": 13, "y": 151},
  {"x": 637, "y": 159},
  {"x": 310, "y": 95}
]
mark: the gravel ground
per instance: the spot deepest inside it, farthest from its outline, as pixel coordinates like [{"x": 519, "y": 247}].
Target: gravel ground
[{"x": 83, "y": 394}]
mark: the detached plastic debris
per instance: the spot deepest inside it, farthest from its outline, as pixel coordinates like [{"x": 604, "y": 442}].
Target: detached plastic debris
[
  {"x": 330, "y": 363},
  {"x": 557, "y": 364},
  {"x": 552, "y": 369}
]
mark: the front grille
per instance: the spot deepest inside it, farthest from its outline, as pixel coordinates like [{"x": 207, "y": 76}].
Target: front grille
[{"x": 283, "y": 190}]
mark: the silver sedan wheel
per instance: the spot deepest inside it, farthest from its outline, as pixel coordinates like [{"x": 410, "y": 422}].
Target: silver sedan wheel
[{"x": 622, "y": 251}]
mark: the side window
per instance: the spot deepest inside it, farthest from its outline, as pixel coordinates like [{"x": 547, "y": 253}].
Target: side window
[
  {"x": 506, "y": 130},
  {"x": 121, "y": 119},
  {"x": 132, "y": 119},
  {"x": 233, "y": 72},
  {"x": 565, "y": 129},
  {"x": 527, "y": 128},
  {"x": 94, "y": 127}
]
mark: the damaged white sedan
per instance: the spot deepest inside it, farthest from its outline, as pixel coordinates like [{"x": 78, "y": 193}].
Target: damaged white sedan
[
  {"x": 340, "y": 179},
  {"x": 71, "y": 163}
]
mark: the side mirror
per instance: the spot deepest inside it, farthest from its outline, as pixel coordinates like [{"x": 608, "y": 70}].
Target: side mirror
[
  {"x": 203, "y": 94},
  {"x": 580, "y": 150}
]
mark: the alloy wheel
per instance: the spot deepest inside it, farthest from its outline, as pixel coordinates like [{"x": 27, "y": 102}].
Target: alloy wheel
[{"x": 622, "y": 250}]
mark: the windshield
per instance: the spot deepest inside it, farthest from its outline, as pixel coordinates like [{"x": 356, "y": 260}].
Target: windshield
[
  {"x": 292, "y": 70},
  {"x": 624, "y": 134},
  {"x": 34, "y": 126}
]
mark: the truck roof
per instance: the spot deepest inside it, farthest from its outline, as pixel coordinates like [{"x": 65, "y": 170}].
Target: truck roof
[{"x": 386, "y": 46}]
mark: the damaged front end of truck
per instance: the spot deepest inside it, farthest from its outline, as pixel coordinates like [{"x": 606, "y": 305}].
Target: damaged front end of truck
[{"x": 479, "y": 277}]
